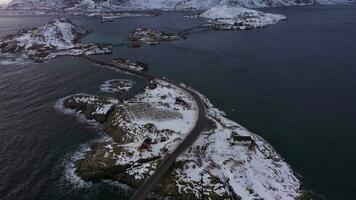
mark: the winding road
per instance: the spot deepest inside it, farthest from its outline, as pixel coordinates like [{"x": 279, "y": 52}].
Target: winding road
[{"x": 148, "y": 185}]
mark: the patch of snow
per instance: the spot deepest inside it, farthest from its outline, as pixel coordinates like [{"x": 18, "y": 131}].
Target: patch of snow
[{"x": 164, "y": 98}]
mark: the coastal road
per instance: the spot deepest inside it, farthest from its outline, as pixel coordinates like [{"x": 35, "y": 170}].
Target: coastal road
[
  {"x": 142, "y": 192},
  {"x": 147, "y": 186}
]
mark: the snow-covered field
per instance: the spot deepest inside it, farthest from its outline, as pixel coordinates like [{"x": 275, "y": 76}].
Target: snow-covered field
[{"x": 167, "y": 99}]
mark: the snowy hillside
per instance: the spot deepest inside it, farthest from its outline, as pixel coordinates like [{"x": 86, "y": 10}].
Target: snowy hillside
[
  {"x": 58, "y": 37},
  {"x": 157, "y": 4},
  {"x": 225, "y": 17}
]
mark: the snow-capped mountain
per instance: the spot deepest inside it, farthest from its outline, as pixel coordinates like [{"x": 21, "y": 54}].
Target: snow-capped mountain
[{"x": 156, "y": 4}]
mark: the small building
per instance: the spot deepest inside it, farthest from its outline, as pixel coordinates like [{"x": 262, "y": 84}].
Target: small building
[
  {"x": 239, "y": 138},
  {"x": 146, "y": 143},
  {"x": 152, "y": 85},
  {"x": 181, "y": 102},
  {"x": 143, "y": 65}
]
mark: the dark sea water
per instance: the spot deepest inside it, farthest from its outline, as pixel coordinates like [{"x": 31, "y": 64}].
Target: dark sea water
[{"x": 292, "y": 83}]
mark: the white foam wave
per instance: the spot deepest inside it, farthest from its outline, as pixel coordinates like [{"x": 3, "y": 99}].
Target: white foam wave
[
  {"x": 117, "y": 85},
  {"x": 69, "y": 171},
  {"x": 7, "y": 59},
  {"x": 69, "y": 164}
]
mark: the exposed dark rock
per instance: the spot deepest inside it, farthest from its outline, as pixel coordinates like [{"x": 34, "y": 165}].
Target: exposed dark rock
[
  {"x": 150, "y": 127},
  {"x": 96, "y": 166},
  {"x": 93, "y": 108}
]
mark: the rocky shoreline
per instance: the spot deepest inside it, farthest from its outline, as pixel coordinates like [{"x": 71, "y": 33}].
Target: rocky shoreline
[{"x": 211, "y": 168}]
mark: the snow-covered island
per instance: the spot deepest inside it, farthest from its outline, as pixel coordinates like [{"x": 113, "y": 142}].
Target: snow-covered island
[
  {"x": 230, "y": 17},
  {"x": 56, "y": 38},
  {"x": 227, "y": 161},
  {"x": 151, "y": 37}
]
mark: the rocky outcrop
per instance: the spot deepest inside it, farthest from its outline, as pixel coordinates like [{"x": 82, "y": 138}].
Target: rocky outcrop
[
  {"x": 92, "y": 107},
  {"x": 150, "y": 36},
  {"x": 96, "y": 166},
  {"x": 99, "y": 164}
]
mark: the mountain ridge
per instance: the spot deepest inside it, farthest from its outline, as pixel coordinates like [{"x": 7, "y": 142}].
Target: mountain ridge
[{"x": 170, "y": 5}]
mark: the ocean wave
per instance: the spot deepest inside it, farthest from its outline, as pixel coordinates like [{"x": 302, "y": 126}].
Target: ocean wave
[
  {"x": 69, "y": 171},
  {"x": 71, "y": 159},
  {"x": 117, "y": 85},
  {"x": 8, "y": 59}
]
